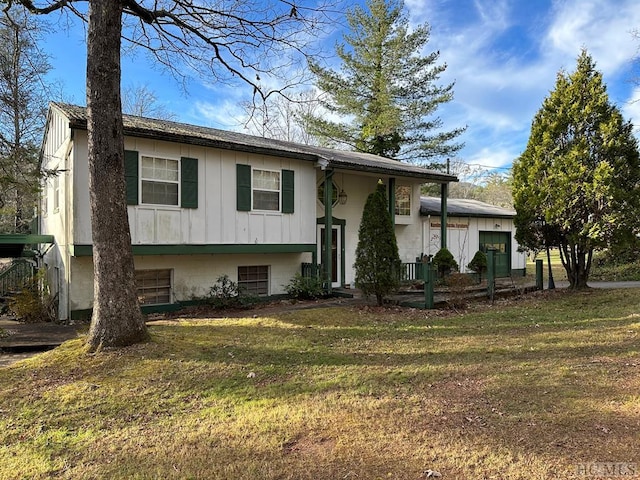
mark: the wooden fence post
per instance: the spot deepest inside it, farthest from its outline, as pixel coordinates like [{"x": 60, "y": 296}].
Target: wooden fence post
[{"x": 428, "y": 276}]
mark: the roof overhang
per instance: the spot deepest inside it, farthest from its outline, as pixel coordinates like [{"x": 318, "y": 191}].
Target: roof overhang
[
  {"x": 228, "y": 140},
  {"x": 13, "y": 245}
]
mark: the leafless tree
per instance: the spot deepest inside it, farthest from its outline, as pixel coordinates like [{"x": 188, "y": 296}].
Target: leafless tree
[
  {"x": 223, "y": 40},
  {"x": 22, "y": 116},
  {"x": 141, "y": 101},
  {"x": 281, "y": 117}
]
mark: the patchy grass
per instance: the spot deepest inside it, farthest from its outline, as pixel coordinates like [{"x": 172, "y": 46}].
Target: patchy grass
[{"x": 520, "y": 390}]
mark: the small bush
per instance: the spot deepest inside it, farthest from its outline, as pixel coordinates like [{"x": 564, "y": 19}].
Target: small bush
[
  {"x": 304, "y": 288},
  {"x": 33, "y": 304},
  {"x": 478, "y": 263},
  {"x": 444, "y": 262},
  {"x": 226, "y": 294}
]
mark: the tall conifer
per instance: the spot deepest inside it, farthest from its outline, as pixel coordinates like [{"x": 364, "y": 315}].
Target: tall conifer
[
  {"x": 377, "y": 263},
  {"x": 385, "y": 91},
  {"x": 577, "y": 184}
]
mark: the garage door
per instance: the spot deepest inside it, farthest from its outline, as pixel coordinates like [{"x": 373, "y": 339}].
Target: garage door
[{"x": 500, "y": 243}]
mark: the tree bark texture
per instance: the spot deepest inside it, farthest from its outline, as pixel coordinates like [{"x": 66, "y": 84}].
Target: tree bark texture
[{"x": 117, "y": 320}]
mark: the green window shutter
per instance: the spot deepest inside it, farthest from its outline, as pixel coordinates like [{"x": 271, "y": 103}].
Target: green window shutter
[
  {"x": 243, "y": 190},
  {"x": 189, "y": 182},
  {"x": 287, "y": 191},
  {"x": 131, "y": 176}
]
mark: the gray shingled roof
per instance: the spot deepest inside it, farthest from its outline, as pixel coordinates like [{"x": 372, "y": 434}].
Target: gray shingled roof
[
  {"x": 459, "y": 207},
  {"x": 211, "y": 137}
]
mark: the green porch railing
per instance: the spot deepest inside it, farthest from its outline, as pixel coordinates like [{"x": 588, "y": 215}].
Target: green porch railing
[
  {"x": 310, "y": 270},
  {"x": 15, "y": 276},
  {"x": 411, "y": 271}
]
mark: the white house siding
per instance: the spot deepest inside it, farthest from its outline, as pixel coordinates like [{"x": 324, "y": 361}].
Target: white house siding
[
  {"x": 56, "y": 154},
  {"x": 463, "y": 237},
  {"x": 358, "y": 187},
  {"x": 192, "y": 275},
  {"x": 216, "y": 220}
]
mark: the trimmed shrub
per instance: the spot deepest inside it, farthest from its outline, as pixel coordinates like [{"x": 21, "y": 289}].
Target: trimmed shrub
[
  {"x": 444, "y": 262},
  {"x": 478, "y": 263}
]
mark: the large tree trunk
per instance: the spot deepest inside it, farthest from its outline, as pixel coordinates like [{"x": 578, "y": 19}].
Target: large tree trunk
[
  {"x": 577, "y": 263},
  {"x": 117, "y": 319}
]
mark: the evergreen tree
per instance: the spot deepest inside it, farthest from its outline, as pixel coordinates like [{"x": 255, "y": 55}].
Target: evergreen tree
[
  {"x": 385, "y": 90},
  {"x": 377, "y": 263},
  {"x": 577, "y": 184}
]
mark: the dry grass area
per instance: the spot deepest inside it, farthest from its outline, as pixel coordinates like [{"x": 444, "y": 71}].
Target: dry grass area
[{"x": 527, "y": 389}]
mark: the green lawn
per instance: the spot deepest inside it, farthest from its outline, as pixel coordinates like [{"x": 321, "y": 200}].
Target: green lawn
[{"x": 526, "y": 389}]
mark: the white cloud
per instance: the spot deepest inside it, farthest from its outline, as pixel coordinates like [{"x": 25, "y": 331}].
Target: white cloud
[
  {"x": 504, "y": 62},
  {"x": 631, "y": 109},
  {"x": 603, "y": 29}
]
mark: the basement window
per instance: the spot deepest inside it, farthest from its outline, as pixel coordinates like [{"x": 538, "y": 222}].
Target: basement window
[
  {"x": 254, "y": 279},
  {"x": 154, "y": 286}
]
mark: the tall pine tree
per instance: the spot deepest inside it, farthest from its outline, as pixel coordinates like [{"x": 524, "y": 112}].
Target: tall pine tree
[
  {"x": 385, "y": 91},
  {"x": 577, "y": 184},
  {"x": 377, "y": 262}
]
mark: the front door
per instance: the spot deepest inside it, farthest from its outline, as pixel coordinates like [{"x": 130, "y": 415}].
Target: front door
[
  {"x": 335, "y": 253},
  {"x": 500, "y": 243}
]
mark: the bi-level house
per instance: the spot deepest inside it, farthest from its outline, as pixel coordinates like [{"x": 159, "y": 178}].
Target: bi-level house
[{"x": 205, "y": 203}]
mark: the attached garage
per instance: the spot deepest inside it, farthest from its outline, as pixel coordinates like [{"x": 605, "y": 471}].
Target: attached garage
[{"x": 473, "y": 226}]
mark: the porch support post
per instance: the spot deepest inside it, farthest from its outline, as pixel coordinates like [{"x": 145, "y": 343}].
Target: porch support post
[
  {"x": 392, "y": 199},
  {"x": 428, "y": 276},
  {"x": 491, "y": 273},
  {"x": 444, "y": 192},
  {"x": 328, "y": 228}
]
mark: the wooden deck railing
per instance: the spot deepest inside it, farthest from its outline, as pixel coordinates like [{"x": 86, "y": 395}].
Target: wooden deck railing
[{"x": 15, "y": 276}]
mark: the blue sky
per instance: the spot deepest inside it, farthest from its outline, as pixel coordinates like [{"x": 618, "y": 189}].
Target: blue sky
[{"x": 502, "y": 54}]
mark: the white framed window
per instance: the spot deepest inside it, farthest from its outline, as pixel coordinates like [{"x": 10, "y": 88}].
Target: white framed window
[
  {"x": 160, "y": 181},
  {"x": 266, "y": 190},
  {"x": 334, "y": 193},
  {"x": 254, "y": 279},
  {"x": 403, "y": 200},
  {"x": 153, "y": 286}
]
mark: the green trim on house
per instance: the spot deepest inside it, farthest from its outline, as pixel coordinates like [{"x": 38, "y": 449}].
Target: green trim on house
[
  {"x": 131, "y": 176},
  {"x": 243, "y": 187},
  {"x": 342, "y": 223},
  {"x": 189, "y": 182},
  {"x": 25, "y": 239},
  {"x": 86, "y": 250},
  {"x": 288, "y": 191},
  {"x": 325, "y": 258}
]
